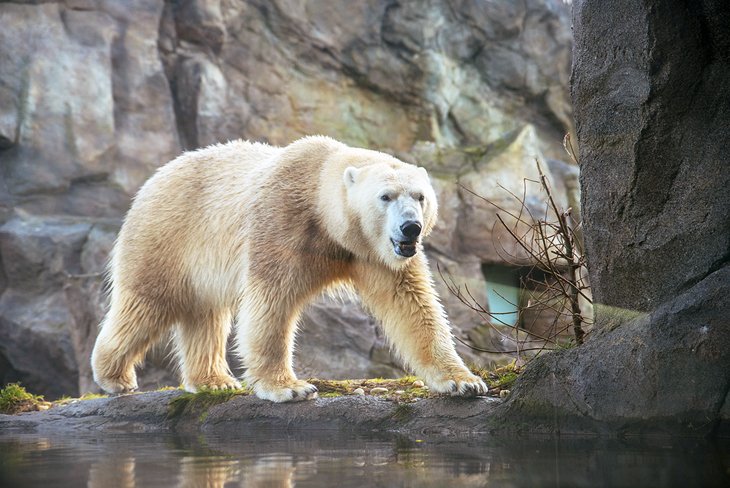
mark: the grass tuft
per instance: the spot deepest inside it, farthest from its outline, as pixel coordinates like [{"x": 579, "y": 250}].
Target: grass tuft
[
  {"x": 93, "y": 396},
  {"x": 15, "y": 399}
]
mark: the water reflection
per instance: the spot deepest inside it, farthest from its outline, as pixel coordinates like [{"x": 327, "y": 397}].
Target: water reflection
[{"x": 328, "y": 459}]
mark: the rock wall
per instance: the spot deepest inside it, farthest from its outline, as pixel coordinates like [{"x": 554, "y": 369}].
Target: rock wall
[
  {"x": 654, "y": 173},
  {"x": 652, "y": 110},
  {"x": 95, "y": 94}
]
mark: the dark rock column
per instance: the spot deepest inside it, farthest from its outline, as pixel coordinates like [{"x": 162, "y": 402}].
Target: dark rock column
[
  {"x": 652, "y": 108},
  {"x": 651, "y": 96}
]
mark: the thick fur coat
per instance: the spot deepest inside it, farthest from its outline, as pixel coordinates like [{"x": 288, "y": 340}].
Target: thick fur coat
[{"x": 248, "y": 234}]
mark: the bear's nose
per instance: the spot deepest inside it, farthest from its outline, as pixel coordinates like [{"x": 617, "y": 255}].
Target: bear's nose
[{"x": 411, "y": 229}]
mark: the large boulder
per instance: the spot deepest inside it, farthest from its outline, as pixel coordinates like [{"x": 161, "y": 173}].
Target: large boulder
[
  {"x": 660, "y": 373},
  {"x": 654, "y": 171},
  {"x": 653, "y": 116},
  {"x": 58, "y": 108},
  {"x": 35, "y": 319},
  {"x": 86, "y": 113}
]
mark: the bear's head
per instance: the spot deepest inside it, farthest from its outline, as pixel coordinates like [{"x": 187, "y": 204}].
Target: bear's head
[{"x": 395, "y": 205}]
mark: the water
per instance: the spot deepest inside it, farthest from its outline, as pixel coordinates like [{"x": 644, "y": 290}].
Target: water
[{"x": 329, "y": 459}]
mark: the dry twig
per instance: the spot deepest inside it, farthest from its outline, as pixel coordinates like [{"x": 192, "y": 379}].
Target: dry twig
[{"x": 553, "y": 250}]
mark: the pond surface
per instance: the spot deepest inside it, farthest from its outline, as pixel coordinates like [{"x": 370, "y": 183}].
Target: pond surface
[{"x": 331, "y": 459}]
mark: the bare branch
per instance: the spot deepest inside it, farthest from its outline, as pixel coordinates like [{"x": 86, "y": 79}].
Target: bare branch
[{"x": 547, "y": 244}]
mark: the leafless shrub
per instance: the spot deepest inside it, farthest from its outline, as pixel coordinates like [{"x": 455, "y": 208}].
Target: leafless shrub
[{"x": 549, "y": 245}]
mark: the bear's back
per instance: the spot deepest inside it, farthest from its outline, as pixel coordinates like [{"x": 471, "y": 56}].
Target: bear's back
[{"x": 194, "y": 213}]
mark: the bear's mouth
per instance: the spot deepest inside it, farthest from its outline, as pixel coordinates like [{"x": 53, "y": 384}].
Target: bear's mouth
[{"x": 406, "y": 249}]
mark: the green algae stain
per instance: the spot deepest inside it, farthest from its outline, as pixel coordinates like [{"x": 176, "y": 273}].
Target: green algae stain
[{"x": 199, "y": 403}]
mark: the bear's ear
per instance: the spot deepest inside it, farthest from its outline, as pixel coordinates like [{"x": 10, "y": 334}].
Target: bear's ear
[
  {"x": 350, "y": 176},
  {"x": 423, "y": 170}
]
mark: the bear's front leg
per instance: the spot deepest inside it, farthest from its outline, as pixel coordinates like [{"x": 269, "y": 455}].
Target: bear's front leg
[
  {"x": 266, "y": 326},
  {"x": 414, "y": 321}
]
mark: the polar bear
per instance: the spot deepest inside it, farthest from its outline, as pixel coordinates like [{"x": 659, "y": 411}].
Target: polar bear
[{"x": 247, "y": 234}]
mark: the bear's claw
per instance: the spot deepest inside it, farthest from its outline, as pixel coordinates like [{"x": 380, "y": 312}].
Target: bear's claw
[
  {"x": 471, "y": 389},
  {"x": 311, "y": 389},
  {"x": 466, "y": 385}
]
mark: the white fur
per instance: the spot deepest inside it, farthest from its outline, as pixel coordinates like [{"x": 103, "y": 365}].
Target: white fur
[{"x": 254, "y": 232}]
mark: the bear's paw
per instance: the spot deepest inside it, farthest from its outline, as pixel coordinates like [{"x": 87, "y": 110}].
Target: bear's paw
[
  {"x": 117, "y": 385},
  {"x": 460, "y": 384},
  {"x": 296, "y": 391},
  {"x": 217, "y": 383}
]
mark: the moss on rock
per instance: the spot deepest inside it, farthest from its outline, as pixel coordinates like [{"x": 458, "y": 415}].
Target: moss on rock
[
  {"x": 15, "y": 399},
  {"x": 405, "y": 385},
  {"x": 199, "y": 403},
  {"x": 502, "y": 378}
]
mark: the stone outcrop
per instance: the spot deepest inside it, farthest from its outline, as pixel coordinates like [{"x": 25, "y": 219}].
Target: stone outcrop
[
  {"x": 661, "y": 373},
  {"x": 652, "y": 110},
  {"x": 165, "y": 411},
  {"x": 654, "y": 171},
  {"x": 96, "y": 94}
]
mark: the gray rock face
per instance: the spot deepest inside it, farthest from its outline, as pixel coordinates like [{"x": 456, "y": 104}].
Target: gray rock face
[
  {"x": 94, "y": 95},
  {"x": 653, "y": 171},
  {"x": 34, "y": 339},
  {"x": 337, "y": 336},
  {"x": 653, "y": 114}
]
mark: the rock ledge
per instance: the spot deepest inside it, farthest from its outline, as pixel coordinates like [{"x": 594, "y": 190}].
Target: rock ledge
[{"x": 163, "y": 411}]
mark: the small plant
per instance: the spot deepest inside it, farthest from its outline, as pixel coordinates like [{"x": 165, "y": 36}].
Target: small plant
[
  {"x": 501, "y": 378},
  {"x": 15, "y": 399},
  {"x": 550, "y": 246}
]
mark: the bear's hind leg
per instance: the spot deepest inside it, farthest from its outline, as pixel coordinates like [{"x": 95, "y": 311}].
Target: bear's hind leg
[
  {"x": 201, "y": 348},
  {"x": 266, "y": 345},
  {"x": 128, "y": 330}
]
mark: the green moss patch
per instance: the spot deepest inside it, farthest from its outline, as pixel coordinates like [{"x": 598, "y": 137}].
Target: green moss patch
[
  {"x": 499, "y": 379},
  {"x": 199, "y": 403},
  {"x": 86, "y": 396},
  {"x": 14, "y": 399},
  {"x": 408, "y": 392},
  {"x": 502, "y": 378}
]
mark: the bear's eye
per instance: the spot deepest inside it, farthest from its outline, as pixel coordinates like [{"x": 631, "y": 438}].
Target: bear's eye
[
  {"x": 421, "y": 198},
  {"x": 385, "y": 198}
]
